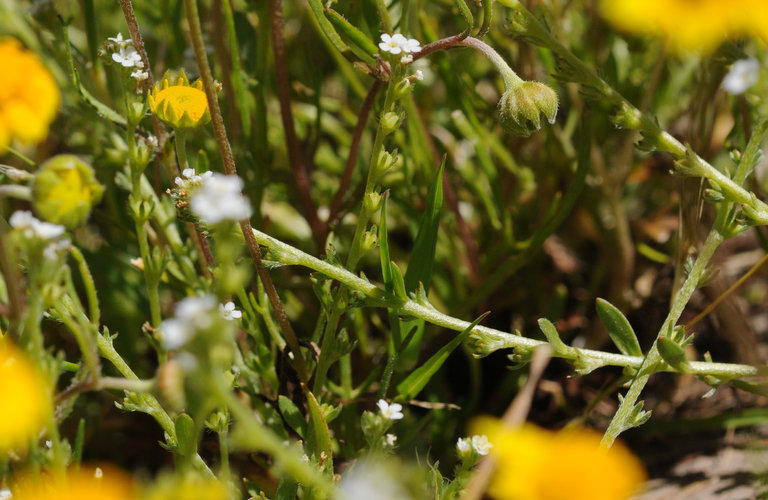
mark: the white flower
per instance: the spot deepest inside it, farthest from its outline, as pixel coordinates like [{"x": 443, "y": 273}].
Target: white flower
[
  {"x": 220, "y": 198},
  {"x": 744, "y": 73},
  {"x": 419, "y": 75},
  {"x": 140, "y": 75},
  {"x": 175, "y": 333},
  {"x": 5, "y": 494},
  {"x": 53, "y": 250},
  {"x": 392, "y": 411},
  {"x": 229, "y": 312},
  {"x": 152, "y": 141},
  {"x": 406, "y": 59},
  {"x": 391, "y": 439},
  {"x": 128, "y": 57},
  {"x": 32, "y": 227},
  {"x": 411, "y": 46},
  {"x": 481, "y": 444},
  {"x": 371, "y": 480},
  {"x": 118, "y": 40},
  {"x": 463, "y": 446},
  {"x": 191, "y": 314},
  {"x": 392, "y": 43}
]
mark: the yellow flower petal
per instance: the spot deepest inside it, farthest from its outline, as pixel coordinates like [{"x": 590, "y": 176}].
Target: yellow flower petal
[
  {"x": 537, "y": 464},
  {"x": 26, "y": 399},
  {"x": 85, "y": 484},
  {"x": 179, "y": 104}
]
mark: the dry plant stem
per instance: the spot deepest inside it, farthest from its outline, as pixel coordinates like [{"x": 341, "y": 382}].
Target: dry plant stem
[
  {"x": 298, "y": 165},
  {"x": 513, "y": 417},
  {"x": 290, "y": 255},
  {"x": 354, "y": 148},
  {"x": 229, "y": 166},
  {"x": 138, "y": 43}
]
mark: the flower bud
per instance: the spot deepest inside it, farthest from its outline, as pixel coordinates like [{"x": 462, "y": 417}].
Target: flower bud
[
  {"x": 389, "y": 122},
  {"x": 372, "y": 202},
  {"x": 520, "y": 108},
  {"x": 64, "y": 190}
]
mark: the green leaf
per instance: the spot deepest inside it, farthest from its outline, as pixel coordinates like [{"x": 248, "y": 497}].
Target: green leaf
[
  {"x": 318, "y": 437},
  {"x": 550, "y": 332},
  {"x": 354, "y": 34},
  {"x": 415, "y": 382},
  {"x": 398, "y": 282},
  {"x": 618, "y": 327},
  {"x": 185, "y": 435},
  {"x": 673, "y": 354},
  {"x": 386, "y": 266},
  {"x": 292, "y": 415},
  {"x": 288, "y": 489},
  {"x": 423, "y": 254}
]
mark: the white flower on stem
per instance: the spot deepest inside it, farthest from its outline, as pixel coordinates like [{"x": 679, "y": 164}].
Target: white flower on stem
[
  {"x": 128, "y": 57},
  {"x": 463, "y": 446},
  {"x": 391, "y": 439},
  {"x": 406, "y": 59},
  {"x": 220, "y": 198},
  {"x": 152, "y": 141},
  {"x": 481, "y": 444},
  {"x": 419, "y": 75},
  {"x": 743, "y": 74},
  {"x": 411, "y": 46},
  {"x": 32, "y": 227},
  {"x": 229, "y": 312},
  {"x": 118, "y": 40},
  {"x": 392, "y": 411},
  {"x": 5, "y": 494},
  {"x": 140, "y": 75},
  {"x": 53, "y": 250},
  {"x": 191, "y": 314},
  {"x": 394, "y": 44}
]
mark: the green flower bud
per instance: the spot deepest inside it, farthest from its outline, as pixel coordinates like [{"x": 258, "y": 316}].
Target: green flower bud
[
  {"x": 389, "y": 122},
  {"x": 520, "y": 108},
  {"x": 372, "y": 202},
  {"x": 64, "y": 190}
]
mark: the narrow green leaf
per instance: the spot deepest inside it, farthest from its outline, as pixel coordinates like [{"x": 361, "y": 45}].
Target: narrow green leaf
[
  {"x": 550, "y": 332},
  {"x": 415, "y": 382},
  {"x": 354, "y": 34},
  {"x": 318, "y": 438},
  {"x": 185, "y": 435},
  {"x": 618, "y": 327},
  {"x": 90, "y": 29},
  {"x": 328, "y": 30},
  {"x": 398, "y": 282},
  {"x": 292, "y": 415},
  {"x": 288, "y": 489},
  {"x": 673, "y": 354},
  {"x": 423, "y": 254},
  {"x": 465, "y": 12},
  {"x": 77, "y": 452}
]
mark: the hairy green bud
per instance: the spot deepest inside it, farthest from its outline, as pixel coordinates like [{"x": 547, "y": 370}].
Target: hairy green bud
[
  {"x": 520, "y": 108},
  {"x": 64, "y": 190}
]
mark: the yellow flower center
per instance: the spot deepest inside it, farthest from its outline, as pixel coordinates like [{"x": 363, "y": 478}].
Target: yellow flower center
[{"x": 184, "y": 99}]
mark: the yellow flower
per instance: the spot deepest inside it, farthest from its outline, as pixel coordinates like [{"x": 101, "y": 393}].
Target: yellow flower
[
  {"x": 25, "y": 397},
  {"x": 29, "y": 97},
  {"x": 688, "y": 25},
  {"x": 188, "y": 488},
  {"x": 84, "y": 484},
  {"x": 64, "y": 190},
  {"x": 180, "y": 104},
  {"x": 537, "y": 464}
]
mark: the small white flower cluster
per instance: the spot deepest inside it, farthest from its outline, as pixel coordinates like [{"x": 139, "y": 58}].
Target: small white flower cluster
[
  {"x": 127, "y": 56},
  {"x": 34, "y": 229},
  {"x": 189, "y": 180},
  {"x": 392, "y": 411},
  {"x": 228, "y": 311},
  {"x": 480, "y": 444},
  {"x": 398, "y": 44},
  {"x": 191, "y": 314},
  {"x": 743, "y": 74},
  {"x": 219, "y": 197}
]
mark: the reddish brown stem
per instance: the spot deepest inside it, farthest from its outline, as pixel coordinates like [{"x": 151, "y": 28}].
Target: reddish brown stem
[
  {"x": 354, "y": 148},
  {"x": 229, "y": 166},
  {"x": 298, "y": 165}
]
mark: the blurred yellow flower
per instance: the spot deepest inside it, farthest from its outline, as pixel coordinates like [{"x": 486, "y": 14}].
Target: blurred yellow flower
[
  {"x": 25, "y": 397},
  {"x": 537, "y": 464},
  {"x": 29, "y": 97},
  {"x": 690, "y": 25},
  {"x": 188, "y": 488},
  {"x": 180, "y": 104},
  {"x": 64, "y": 190},
  {"x": 84, "y": 484}
]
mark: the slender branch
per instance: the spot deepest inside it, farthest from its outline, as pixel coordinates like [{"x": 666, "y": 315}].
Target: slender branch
[
  {"x": 229, "y": 166},
  {"x": 497, "y": 339},
  {"x": 298, "y": 166},
  {"x": 354, "y": 148}
]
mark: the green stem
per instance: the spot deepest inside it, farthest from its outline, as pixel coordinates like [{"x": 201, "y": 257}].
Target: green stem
[
  {"x": 497, "y": 339},
  {"x": 622, "y": 420},
  {"x": 90, "y": 286},
  {"x": 16, "y": 191},
  {"x": 511, "y": 80}
]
